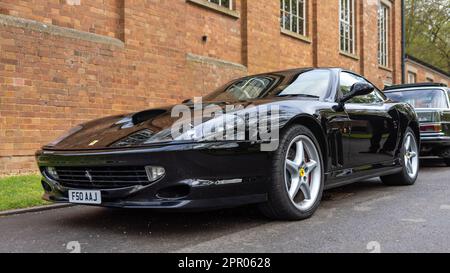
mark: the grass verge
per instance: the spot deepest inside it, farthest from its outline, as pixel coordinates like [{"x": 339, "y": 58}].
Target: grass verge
[{"x": 18, "y": 192}]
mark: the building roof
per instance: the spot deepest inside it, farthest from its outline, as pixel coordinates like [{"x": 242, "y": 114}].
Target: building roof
[{"x": 432, "y": 67}]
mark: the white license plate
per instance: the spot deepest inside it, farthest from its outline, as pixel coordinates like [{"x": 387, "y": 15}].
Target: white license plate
[{"x": 85, "y": 197}]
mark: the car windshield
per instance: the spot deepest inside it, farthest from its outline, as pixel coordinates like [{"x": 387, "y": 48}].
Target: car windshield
[
  {"x": 312, "y": 83},
  {"x": 421, "y": 98},
  {"x": 244, "y": 89}
]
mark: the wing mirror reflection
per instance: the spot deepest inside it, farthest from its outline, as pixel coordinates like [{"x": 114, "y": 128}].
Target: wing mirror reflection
[{"x": 358, "y": 89}]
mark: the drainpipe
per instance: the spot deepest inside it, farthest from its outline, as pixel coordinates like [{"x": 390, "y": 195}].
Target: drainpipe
[{"x": 403, "y": 42}]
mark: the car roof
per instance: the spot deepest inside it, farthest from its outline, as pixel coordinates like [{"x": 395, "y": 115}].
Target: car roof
[{"x": 414, "y": 86}]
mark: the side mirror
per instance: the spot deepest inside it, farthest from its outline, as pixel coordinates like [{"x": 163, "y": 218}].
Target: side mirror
[{"x": 357, "y": 90}]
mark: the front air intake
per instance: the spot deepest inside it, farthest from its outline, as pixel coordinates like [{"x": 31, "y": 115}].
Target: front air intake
[{"x": 102, "y": 177}]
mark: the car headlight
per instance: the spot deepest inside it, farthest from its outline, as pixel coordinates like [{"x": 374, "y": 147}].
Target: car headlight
[{"x": 66, "y": 135}]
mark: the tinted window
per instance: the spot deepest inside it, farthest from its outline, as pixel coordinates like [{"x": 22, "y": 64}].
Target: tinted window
[
  {"x": 421, "y": 98},
  {"x": 311, "y": 83},
  {"x": 347, "y": 80}
]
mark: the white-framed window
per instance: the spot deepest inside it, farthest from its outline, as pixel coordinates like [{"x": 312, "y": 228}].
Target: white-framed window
[
  {"x": 223, "y": 3},
  {"x": 347, "y": 26},
  {"x": 412, "y": 77},
  {"x": 383, "y": 35},
  {"x": 293, "y": 16}
]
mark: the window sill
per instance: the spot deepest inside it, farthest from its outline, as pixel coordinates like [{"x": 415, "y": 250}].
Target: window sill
[
  {"x": 385, "y": 68},
  {"x": 348, "y": 55},
  {"x": 296, "y": 36},
  {"x": 215, "y": 7}
]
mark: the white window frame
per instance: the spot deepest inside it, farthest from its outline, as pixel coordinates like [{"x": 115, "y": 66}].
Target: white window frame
[
  {"x": 412, "y": 77},
  {"x": 347, "y": 20},
  {"x": 384, "y": 22},
  {"x": 299, "y": 17},
  {"x": 221, "y": 5}
]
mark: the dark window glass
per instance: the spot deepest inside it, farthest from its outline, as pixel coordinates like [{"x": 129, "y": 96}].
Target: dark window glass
[
  {"x": 347, "y": 80},
  {"x": 315, "y": 83},
  {"x": 421, "y": 98},
  {"x": 311, "y": 83},
  {"x": 293, "y": 16},
  {"x": 223, "y": 3},
  {"x": 244, "y": 89}
]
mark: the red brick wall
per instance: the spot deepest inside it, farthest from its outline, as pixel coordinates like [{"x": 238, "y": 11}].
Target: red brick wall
[
  {"x": 49, "y": 83},
  {"x": 269, "y": 49},
  {"x": 104, "y": 17},
  {"x": 423, "y": 73},
  {"x": 328, "y": 37}
]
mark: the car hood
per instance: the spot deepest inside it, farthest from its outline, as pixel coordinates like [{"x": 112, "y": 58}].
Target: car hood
[{"x": 149, "y": 127}]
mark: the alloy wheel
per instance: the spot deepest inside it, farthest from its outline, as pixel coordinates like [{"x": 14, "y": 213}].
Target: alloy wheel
[
  {"x": 411, "y": 156},
  {"x": 303, "y": 172}
]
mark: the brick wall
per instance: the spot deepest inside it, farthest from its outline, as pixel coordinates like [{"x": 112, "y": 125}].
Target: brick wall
[
  {"x": 103, "y": 17},
  {"x": 269, "y": 49},
  {"x": 151, "y": 53},
  {"x": 426, "y": 73}
]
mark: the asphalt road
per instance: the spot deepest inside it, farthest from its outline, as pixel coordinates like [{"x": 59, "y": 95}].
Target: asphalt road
[{"x": 363, "y": 217}]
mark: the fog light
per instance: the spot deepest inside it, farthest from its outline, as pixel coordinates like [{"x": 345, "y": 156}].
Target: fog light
[
  {"x": 51, "y": 171},
  {"x": 154, "y": 173}
]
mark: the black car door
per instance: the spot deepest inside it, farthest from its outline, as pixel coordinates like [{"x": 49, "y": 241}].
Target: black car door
[{"x": 373, "y": 128}]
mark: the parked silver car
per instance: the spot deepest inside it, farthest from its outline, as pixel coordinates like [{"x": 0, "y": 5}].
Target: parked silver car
[{"x": 432, "y": 104}]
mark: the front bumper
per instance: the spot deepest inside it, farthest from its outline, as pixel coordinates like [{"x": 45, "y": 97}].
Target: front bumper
[{"x": 214, "y": 175}]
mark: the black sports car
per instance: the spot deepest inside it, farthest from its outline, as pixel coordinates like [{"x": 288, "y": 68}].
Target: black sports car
[{"x": 325, "y": 127}]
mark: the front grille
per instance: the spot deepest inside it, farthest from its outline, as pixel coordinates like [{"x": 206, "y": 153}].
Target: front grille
[{"x": 102, "y": 177}]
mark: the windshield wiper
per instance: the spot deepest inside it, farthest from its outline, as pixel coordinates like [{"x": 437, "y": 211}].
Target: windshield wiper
[{"x": 299, "y": 95}]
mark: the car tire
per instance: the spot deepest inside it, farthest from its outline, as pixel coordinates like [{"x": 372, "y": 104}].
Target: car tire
[
  {"x": 446, "y": 156},
  {"x": 283, "y": 192},
  {"x": 409, "y": 157},
  {"x": 447, "y": 161}
]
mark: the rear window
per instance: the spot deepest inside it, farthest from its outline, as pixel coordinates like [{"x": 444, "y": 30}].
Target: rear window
[{"x": 421, "y": 98}]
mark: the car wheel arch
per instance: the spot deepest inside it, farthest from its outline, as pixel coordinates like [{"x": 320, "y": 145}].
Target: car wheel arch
[
  {"x": 413, "y": 122},
  {"x": 312, "y": 124},
  {"x": 414, "y": 125},
  {"x": 406, "y": 118}
]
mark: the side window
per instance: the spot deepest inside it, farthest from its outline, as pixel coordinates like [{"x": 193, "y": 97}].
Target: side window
[{"x": 347, "y": 80}]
